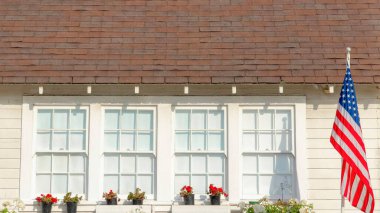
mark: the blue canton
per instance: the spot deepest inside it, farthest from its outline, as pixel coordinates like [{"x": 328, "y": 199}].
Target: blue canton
[{"x": 348, "y": 97}]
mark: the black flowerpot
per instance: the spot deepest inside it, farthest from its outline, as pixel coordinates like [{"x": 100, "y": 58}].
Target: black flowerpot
[
  {"x": 215, "y": 200},
  {"x": 71, "y": 207},
  {"x": 189, "y": 199},
  {"x": 137, "y": 202},
  {"x": 112, "y": 201},
  {"x": 46, "y": 207}
]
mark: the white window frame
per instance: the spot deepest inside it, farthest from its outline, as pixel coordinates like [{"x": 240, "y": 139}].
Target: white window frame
[
  {"x": 118, "y": 153},
  {"x": 164, "y": 163},
  {"x": 203, "y": 152},
  {"x": 258, "y": 152}
]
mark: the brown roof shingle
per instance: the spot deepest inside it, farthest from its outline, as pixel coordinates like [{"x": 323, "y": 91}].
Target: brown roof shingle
[{"x": 188, "y": 41}]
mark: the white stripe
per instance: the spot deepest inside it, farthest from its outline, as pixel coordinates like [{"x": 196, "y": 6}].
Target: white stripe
[
  {"x": 354, "y": 188},
  {"x": 349, "y": 135},
  {"x": 369, "y": 205},
  {"x": 344, "y": 179},
  {"x": 348, "y": 117},
  {"x": 362, "y": 196},
  {"x": 349, "y": 152}
]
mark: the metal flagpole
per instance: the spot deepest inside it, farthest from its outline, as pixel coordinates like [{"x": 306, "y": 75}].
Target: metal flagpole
[{"x": 342, "y": 201}]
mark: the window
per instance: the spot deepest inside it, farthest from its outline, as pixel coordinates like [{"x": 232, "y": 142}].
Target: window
[
  {"x": 199, "y": 148},
  {"x": 268, "y": 153},
  {"x": 61, "y": 150},
  {"x": 129, "y": 156}
]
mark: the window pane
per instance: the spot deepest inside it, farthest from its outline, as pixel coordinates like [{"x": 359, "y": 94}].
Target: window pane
[
  {"x": 145, "y": 183},
  {"x": 78, "y": 119},
  {"x": 283, "y": 120},
  {"x": 43, "y": 163},
  {"x": 77, "y": 163},
  {"x": 198, "y": 141},
  {"x": 217, "y": 180},
  {"x": 127, "y": 141},
  {"x": 249, "y": 141},
  {"x": 265, "y": 141},
  {"x": 111, "y": 141},
  {"x": 249, "y": 164},
  {"x": 111, "y": 164},
  {"x": 145, "y": 142},
  {"x": 249, "y": 119},
  {"x": 127, "y": 184},
  {"x": 42, "y": 184},
  {"x": 145, "y": 120},
  {"x": 182, "y": 164},
  {"x": 266, "y": 185},
  {"x": 60, "y": 163},
  {"x": 198, "y": 119},
  {"x": 60, "y": 119},
  {"x": 182, "y": 141},
  {"x": 266, "y": 119},
  {"x": 111, "y": 182},
  {"x": 215, "y": 119},
  {"x": 250, "y": 184},
  {"x": 77, "y": 141},
  {"x": 128, "y": 164},
  {"x": 128, "y": 119},
  {"x": 283, "y": 141},
  {"x": 111, "y": 119},
  {"x": 283, "y": 164},
  {"x": 76, "y": 184},
  {"x": 59, "y": 184},
  {"x": 180, "y": 181},
  {"x": 144, "y": 165},
  {"x": 198, "y": 164},
  {"x": 182, "y": 118},
  {"x": 43, "y": 141},
  {"x": 198, "y": 182},
  {"x": 266, "y": 164},
  {"x": 283, "y": 183},
  {"x": 44, "y": 119},
  {"x": 215, "y": 164},
  {"x": 216, "y": 141},
  {"x": 59, "y": 141}
]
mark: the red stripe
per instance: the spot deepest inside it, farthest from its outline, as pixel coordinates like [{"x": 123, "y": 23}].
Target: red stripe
[
  {"x": 351, "y": 163},
  {"x": 358, "y": 193},
  {"x": 351, "y": 129},
  {"x": 365, "y": 202},
  {"x": 350, "y": 145}
]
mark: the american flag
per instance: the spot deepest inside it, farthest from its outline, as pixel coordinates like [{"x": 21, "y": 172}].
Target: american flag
[{"x": 346, "y": 137}]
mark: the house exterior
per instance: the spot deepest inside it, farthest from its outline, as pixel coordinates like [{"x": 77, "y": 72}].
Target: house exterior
[{"x": 98, "y": 95}]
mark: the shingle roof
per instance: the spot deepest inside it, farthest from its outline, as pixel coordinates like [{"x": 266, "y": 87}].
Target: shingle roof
[{"x": 188, "y": 41}]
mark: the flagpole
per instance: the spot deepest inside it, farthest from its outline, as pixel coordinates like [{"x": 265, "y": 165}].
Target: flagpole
[{"x": 348, "y": 57}]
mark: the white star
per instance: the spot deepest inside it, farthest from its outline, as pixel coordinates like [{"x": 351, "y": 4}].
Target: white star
[{"x": 344, "y": 101}]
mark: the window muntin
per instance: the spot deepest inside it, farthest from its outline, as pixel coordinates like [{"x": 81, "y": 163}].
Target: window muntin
[
  {"x": 268, "y": 152},
  {"x": 199, "y": 142},
  {"x": 129, "y": 150},
  {"x": 61, "y": 150}
]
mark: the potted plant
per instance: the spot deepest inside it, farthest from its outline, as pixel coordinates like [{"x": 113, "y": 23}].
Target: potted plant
[
  {"x": 12, "y": 207},
  {"x": 215, "y": 194},
  {"x": 187, "y": 194},
  {"x": 137, "y": 197},
  {"x": 71, "y": 202},
  {"x": 47, "y": 202},
  {"x": 111, "y": 197}
]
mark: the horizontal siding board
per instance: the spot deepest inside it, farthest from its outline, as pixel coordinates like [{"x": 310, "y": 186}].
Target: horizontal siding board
[
  {"x": 10, "y": 113},
  {"x": 9, "y": 163},
  {"x": 10, "y": 123},
  {"x": 370, "y": 143},
  {"x": 326, "y": 133},
  {"x": 322, "y": 123},
  {"x": 330, "y": 113},
  {"x": 9, "y": 153},
  {"x": 9, "y": 183},
  {"x": 9, "y": 173},
  {"x": 333, "y": 154},
  {"x": 10, "y": 133}
]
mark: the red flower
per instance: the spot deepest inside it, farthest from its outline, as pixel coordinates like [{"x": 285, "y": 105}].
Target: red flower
[
  {"x": 54, "y": 200},
  {"x": 48, "y": 195},
  {"x": 38, "y": 199},
  {"x": 188, "y": 188}
]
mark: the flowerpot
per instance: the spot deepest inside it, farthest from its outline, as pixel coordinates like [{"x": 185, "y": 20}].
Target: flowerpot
[
  {"x": 137, "y": 202},
  {"x": 46, "y": 207},
  {"x": 112, "y": 201},
  {"x": 71, "y": 207},
  {"x": 189, "y": 200},
  {"x": 215, "y": 200}
]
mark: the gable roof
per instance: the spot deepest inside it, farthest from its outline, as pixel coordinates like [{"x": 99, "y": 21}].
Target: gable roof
[{"x": 188, "y": 41}]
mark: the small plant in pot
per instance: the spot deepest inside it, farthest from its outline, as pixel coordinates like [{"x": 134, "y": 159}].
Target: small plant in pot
[
  {"x": 111, "y": 197},
  {"x": 215, "y": 194},
  {"x": 187, "y": 194},
  {"x": 71, "y": 202},
  {"x": 47, "y": 202},
  {"x": 137, "y": 197}
]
